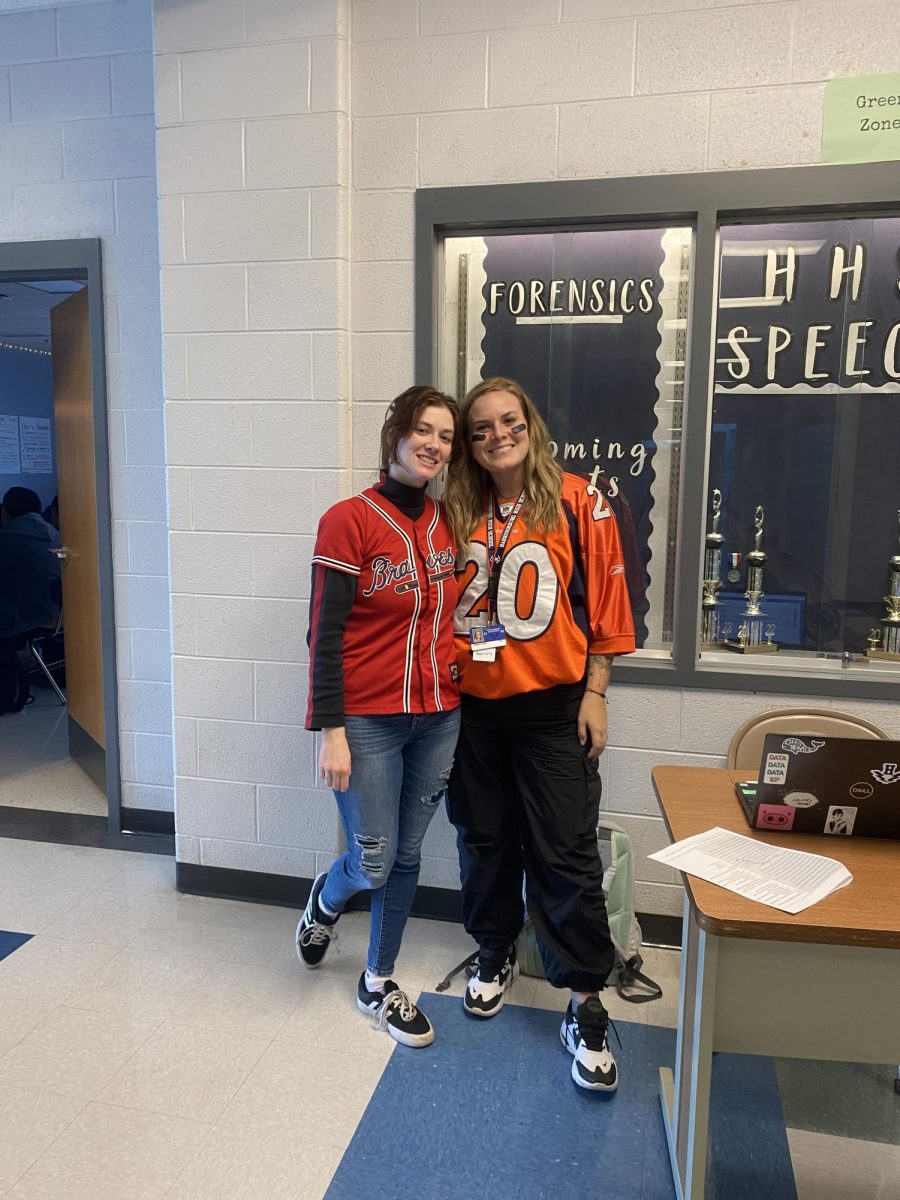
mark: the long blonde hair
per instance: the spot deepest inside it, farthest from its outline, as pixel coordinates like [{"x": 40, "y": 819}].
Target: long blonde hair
[{"x": 468, "y": 484}]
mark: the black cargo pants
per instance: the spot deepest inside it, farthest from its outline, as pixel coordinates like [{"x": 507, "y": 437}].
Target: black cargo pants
[{"x": 525, "y": 799}]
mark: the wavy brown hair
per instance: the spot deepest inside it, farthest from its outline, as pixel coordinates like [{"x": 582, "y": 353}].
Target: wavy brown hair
[
  {"x": 403, "y": 415},
  {"x": 468, "y": 484}
]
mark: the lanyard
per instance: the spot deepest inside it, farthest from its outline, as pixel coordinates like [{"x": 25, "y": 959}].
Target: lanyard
[{"x": 495, "y": 557}]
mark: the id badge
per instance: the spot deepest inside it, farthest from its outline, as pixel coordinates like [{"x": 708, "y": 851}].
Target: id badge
[{"x": 485, "y": 641}]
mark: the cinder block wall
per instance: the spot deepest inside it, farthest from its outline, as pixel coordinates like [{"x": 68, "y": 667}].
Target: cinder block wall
[
  {"x": 253, "y": 136},
  {"x": 77, "y": 160},
  {"x": 265, "y": 168}
]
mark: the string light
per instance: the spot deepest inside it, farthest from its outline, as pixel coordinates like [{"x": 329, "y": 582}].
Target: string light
[{"x": 27, "y": 349}]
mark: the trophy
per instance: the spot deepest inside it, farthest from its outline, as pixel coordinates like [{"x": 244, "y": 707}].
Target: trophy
[
  {"x": 889, "y": 634},
  {"x": 751, "y": 638},
  {"x": 712, "y": 569}
]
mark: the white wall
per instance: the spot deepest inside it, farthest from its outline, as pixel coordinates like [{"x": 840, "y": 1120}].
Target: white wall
[
  {"x": 253, "y": 136},
  {"x": 77, "y": 160},
  {"x": 262, "y": 161}
]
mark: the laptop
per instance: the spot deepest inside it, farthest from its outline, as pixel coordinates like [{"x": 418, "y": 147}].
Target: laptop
[{"x": 843, "y": 787}]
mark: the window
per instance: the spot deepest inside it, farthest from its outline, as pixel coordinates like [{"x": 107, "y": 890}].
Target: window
[
  {"x": 731, "y": 335},
  {"x": 806, "y": 434}
]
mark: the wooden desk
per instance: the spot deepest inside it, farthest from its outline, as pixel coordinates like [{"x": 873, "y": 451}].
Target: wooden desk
[{"x": 823, "y": 984}]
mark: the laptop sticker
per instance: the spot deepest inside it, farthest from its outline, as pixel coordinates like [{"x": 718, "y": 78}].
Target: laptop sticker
[
  {"x": 862, "y": 790},
  {"x": 839, "y": 821},
  {"x": 801, "y": 799},
  {"x": 797, "y": 746},
  {"x": 775, "y": 816},
  {"x": 889, "y": 773},
  {"x": 775, "y": 770}
]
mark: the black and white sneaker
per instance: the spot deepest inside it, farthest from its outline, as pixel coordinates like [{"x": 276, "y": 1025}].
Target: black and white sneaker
[
  {"x": 395, "y": 1012},
  {"x": 584, "y": 1034},
  {"x": 486, "y": 989},
  {"x": 315, "y": 931}
]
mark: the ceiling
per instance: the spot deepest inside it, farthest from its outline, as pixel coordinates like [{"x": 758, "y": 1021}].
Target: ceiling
[{"x": 25, "y": 310}]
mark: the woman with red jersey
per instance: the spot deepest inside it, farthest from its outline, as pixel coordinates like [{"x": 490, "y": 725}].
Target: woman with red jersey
[
  {"x": 382, "y": 690},
  {"x": 543, "y": 608}
]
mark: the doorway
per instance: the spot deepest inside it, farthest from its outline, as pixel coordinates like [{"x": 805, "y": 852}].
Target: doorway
[{"x": 59, "y": 755}]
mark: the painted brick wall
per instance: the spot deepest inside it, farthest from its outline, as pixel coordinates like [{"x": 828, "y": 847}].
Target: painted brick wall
[
  {"x": 516, "y": 90},
  {"x": 253, "y": 148},
  {"x": 274, "y": 190},
  {"x": 77, "y": 160}
]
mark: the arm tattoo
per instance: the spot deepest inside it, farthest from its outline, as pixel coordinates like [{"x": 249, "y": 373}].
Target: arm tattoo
[{"x": 599, "y": 668}]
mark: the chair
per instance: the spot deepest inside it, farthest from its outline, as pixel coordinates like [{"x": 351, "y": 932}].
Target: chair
[
  {"x": 745, "y": 751},
  {"x": 34, "y": 642}
]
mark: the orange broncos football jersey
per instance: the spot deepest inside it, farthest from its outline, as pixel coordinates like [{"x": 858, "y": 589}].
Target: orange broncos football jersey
[{"x": 561, "y": 596}]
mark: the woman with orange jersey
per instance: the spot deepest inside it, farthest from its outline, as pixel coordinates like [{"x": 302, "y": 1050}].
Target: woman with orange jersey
[{"x": 543, "y": 609}]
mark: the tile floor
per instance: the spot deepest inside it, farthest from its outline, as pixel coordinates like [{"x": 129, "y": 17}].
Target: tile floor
[
  {"x": 35, "y": 768},
  {"x": 159, "y": 1045}
]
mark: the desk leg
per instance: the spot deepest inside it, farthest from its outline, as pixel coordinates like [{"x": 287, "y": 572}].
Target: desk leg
[{"x": 685, "y": 1100}]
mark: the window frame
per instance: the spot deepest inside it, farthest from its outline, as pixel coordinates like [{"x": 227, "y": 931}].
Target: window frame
[{"x": 703, "y": 201}]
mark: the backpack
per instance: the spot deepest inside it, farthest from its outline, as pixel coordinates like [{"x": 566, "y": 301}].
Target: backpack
[
  {"x": 15, "y": 691},
  {"x": 618, "y": 885}
]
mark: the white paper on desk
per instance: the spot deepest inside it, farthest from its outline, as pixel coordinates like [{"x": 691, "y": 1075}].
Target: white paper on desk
[{"x": 787, "y": 879}]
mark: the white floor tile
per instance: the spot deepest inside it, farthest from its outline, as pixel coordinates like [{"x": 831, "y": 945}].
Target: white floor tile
[
  {"x": 240, "y": 999},
  {"x": 72, "y": 1052},
  {"x": 19, "y": 1015},
  {"x": 327, "y": 1018},
  {"x": 291, "y": 1086},
  {"x": 834, "y": 1168},
  {"x": 112, "y": 915},
  {"x": 663, "y": 966},
  {"x": 113, "y": 1154},
  {"x": 30, "y": 1122},
  {"x": 52, "y": 964},
  {"x": 184, "y": 1072},
  {"x": 251, "y": 1163},
  {"x": 145, "y": 984}
]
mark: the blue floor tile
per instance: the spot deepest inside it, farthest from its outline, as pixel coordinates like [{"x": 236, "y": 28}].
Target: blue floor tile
[
  {"x": 490, "y": 1109},
  {"x": 12, "y": 941}
]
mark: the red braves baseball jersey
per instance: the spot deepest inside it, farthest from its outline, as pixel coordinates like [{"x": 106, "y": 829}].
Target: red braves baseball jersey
[
  {"x": 398, "y": 650},
  {"x": 561, "y": 596}
]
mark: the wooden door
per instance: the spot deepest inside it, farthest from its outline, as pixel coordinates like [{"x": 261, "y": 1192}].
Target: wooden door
[{"x": 74, "y": 411}]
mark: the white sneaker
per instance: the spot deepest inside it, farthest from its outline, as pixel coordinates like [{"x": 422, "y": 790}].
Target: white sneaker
[
  {"x": 584, "y": 1035},
  {"x": 486, "y": 989}
]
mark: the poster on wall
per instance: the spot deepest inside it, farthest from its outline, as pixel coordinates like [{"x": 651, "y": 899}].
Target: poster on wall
[
  {"x": 9, "y": 445},
  {"x": 592, "y": 323},
  {"x": 34, "y": 436}
]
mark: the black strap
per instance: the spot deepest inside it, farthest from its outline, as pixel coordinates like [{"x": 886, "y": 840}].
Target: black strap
[
  {"x": 629, "y": 974},
  {"x": 463, "y": 966}
]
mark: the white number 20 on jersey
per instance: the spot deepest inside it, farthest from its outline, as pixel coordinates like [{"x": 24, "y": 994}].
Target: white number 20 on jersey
[{"x": 527, "y": 580}]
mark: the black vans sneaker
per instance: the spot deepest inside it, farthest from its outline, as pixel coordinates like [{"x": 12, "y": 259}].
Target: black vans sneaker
[
  {"x": 395, "y": 1012},
  {"x": 584, "y": 1034},
  {"x": 486, "y": 989},
  {"x": 315, "y": 931}
]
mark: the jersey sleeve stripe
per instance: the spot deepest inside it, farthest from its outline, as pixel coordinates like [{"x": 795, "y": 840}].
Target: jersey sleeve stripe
[
  {"x": 336, "y": 565},
  {"x": 439, "y": 608}
]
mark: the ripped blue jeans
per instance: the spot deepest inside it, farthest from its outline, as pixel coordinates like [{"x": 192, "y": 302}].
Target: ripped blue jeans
[{"x": 399, "y": 766}]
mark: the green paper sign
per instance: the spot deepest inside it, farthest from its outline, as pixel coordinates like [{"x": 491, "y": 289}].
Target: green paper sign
[{"x": 862, "y": 119}]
